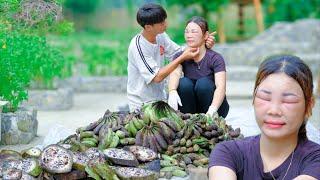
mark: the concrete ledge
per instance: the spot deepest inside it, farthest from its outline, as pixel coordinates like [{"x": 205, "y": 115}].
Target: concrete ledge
[
  {"x": 60, "y": 99},
  {"x": 96, "y": 84}
]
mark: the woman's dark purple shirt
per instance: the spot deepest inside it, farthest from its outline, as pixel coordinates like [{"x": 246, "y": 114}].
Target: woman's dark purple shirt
[
  {"x": 211, "y": 63},
  {"x": 243, "y": 157}
]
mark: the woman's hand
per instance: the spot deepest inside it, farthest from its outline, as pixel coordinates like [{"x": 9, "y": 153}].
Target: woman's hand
[
  {"x": 212, "y": 112},
  {"x": 211, "y": 40},
  {"x": 174, "y": 99}
]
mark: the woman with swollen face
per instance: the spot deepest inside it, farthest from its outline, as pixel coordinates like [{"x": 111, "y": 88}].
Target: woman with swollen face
[
  {"x": 283, "y": 101},
  {"x": 199, "y": 85}
]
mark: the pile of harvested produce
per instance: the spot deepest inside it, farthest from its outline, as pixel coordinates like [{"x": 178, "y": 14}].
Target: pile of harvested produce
[{"x": 151, "y": 143}]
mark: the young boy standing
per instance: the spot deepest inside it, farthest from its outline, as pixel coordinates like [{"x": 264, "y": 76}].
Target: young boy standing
[{"x": 146, "y": 54}]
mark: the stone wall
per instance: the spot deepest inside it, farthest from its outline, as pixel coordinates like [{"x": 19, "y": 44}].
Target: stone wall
[{"x": 19, "y": 127}]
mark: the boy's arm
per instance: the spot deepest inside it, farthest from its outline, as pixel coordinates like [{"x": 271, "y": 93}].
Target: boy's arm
[{"x": 163, "y": 72}]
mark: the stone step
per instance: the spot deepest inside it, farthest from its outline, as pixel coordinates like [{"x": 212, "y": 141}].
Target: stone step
[
  {"x": 313, "y": 61},
  {"x": 241, "y": 73},
  {"x": 248, "y": 72},
  {"x": 239, "y": 89},
  {"x": 254, "y": 54}
]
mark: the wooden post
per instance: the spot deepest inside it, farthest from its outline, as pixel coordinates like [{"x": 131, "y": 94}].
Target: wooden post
[
  {"x": 259, "y": 17},
  {"x": 241, "y": 18},
  {"x": 221, "y": 33}
]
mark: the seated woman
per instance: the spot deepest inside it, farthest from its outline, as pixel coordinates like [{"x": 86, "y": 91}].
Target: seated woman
[
  {"x": 203, "y": 87},
  {"x": 283, "y": 102}
]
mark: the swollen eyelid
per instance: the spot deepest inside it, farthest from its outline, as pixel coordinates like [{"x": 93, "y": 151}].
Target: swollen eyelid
[
  {"x": 263, "y": 96},
  {"x": 290, "y": 100}
]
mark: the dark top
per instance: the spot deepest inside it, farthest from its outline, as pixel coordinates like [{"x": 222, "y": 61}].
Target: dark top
[
  {"x": 211, "y": 63},
  {"x": 243, "y": 157}
]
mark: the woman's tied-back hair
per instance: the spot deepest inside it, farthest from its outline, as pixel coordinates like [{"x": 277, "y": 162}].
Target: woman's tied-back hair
[
  {"x": 150, "y": 14},
  {"x": 200, "y": 21},
  {"x": 295, "y": 68}
]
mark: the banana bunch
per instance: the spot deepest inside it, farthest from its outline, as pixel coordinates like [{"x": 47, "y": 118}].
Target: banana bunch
[
  {"x": 112, "y": 120},
  {"x": 133, "y": 126},
  {"x": 89, "y": 139},
  {"x": 110, "y": 140},
  {"x": 178, "y": 164}
]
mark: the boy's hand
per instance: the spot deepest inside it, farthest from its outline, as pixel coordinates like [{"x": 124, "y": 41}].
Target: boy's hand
[
  {"x": 190, "y": 53},
  {"x": 211, "y": 40}
]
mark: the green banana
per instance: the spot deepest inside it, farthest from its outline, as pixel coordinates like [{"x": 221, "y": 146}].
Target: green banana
[
  {"x": 94, "y": 140},
  {"x": 115, "y": 141},
  {"x": 132, "y": 129},
  {"x": 89, "y": 143},
  {"x": 86, "y": 134},
  {"x": 138, "y": 123},
  {"x": 120, "y": 134}
]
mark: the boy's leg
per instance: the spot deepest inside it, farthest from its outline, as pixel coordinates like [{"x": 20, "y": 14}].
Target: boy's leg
[
  {"x": 204, "y": 90},
  {"x": 187, "y": 96}
]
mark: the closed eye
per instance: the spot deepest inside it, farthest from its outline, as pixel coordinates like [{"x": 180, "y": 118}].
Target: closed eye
[
  {"x": 290, "y": 98},
  {"x": 263, "y": 96}
]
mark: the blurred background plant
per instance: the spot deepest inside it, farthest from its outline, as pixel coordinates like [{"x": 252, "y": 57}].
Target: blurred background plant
[{"x": 25, "y": 55}]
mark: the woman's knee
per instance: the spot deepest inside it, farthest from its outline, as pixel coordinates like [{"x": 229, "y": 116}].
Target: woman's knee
[
  {"x": 205, "y": 85},
  {"x": 185, "y": 85}
]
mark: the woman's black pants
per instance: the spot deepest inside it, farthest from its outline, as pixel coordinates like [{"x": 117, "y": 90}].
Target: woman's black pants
[{"x": 196, "y": 96}]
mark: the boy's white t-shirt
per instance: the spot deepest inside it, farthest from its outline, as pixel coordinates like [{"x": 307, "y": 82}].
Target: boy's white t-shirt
[{"x": 144, "y": 61}]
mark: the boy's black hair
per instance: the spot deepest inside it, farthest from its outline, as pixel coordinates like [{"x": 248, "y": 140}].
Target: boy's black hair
[{"x": 150, "y": 14}]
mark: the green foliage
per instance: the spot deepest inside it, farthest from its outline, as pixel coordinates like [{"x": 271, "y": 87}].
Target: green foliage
[
  {"x": 102, "y": 60},
  {"x": 101, "y": 54},
  {"x": 82, "y": 6},
  {"x": 207, "y": 6},
  {"x": 288, "y": 10},
  {"x": 23, "y": 57},
  {"x": 24, "y": 52}
]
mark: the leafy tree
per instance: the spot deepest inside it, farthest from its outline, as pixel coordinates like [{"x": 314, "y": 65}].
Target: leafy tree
[
  {"x": 207, "y": 6},
  {"x": 287, "y": 10},
  {"x": 82, "y": 6}
]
